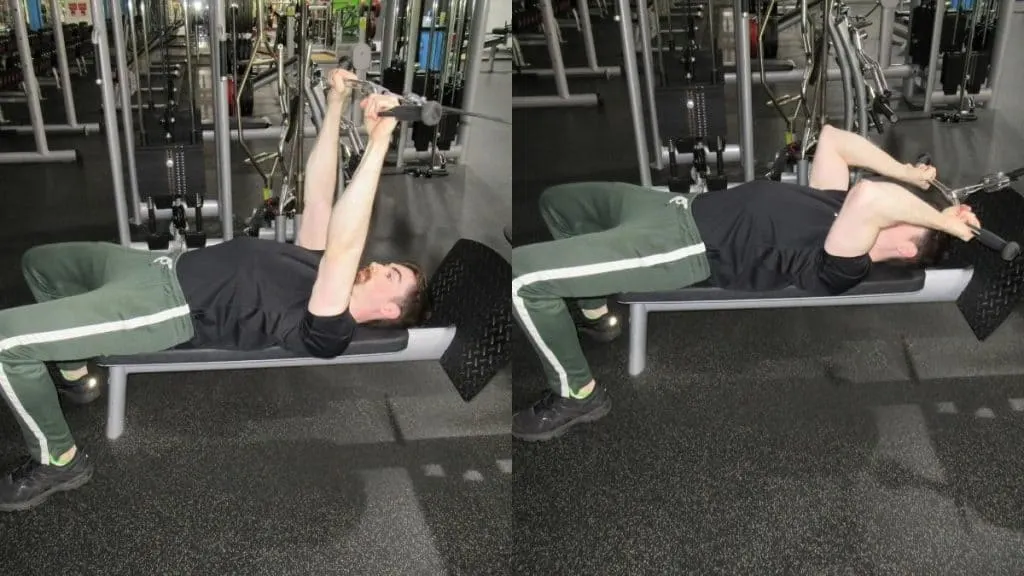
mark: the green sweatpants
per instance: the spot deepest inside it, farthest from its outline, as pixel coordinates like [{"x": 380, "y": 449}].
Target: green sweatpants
[
  {"x": 94, "y": 299},
  {"x": 609, "y": 238}
]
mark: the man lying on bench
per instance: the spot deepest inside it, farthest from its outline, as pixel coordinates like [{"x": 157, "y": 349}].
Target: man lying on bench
[
  {"x": 100, "y": 299},
  {"x": 763, "y": 235}
]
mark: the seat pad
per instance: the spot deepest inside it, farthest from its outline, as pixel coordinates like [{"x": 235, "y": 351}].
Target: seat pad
[
  {"x": 366, "y": 341},
  {"x": 882, "y": 280}
]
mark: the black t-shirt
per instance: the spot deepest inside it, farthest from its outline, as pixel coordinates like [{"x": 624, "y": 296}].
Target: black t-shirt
[
  {"x": 765, "y": 235},
  {"x": 250, "y": 294}
]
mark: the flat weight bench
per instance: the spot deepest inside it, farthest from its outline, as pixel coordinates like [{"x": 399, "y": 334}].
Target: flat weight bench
[
  {"x": 885, "y": 285},
  {"x": 469, "y": 333}
]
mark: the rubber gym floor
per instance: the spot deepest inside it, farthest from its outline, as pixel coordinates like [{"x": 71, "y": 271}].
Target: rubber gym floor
[
  {"x": 775, "y": 441},
  {"x": 358, "y": 470}
]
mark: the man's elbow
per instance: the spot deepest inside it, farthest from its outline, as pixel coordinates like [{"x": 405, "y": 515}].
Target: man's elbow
[{"x": 863, "y": 195}]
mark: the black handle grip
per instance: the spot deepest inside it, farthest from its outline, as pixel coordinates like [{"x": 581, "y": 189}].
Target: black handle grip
[
  {"x": 404, "y": 113},
  {"x": 884, "y": 109},
  {"x": 1007, "y": 250},
  {"x": 429, "y": 113},
  {"x": 879, "y": 127},
  {"x": 1014, "y": 175}
]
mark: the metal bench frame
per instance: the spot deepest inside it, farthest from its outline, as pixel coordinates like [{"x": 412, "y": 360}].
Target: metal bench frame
[
  {"x": 939, "y": 286},
  {"x": 423, "y": 344}
]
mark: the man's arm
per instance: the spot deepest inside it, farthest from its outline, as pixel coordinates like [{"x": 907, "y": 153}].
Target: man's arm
[
  {"x": 322, "y": 176},
  {"x": 859, "y": 152},
  {"x": 875, "y": 206},
  {"x": 350, "y": 220},
  {"x": 838, "y": 151}
]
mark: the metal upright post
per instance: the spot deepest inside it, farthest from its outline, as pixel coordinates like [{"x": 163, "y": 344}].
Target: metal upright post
[
  {"x": 885, "y": 36},
  {"x": 289, "y": 35},
  {"x": 387, "y": 44},
  {"x": 103, "y": 69},
  {"x": 410, "y": 72},
  {"x": 933, "y": 56},
  {"x": 583, "y": 11},
  {"x": 221, "y": 120},
  {"x": 1000, "y": 57},
  {"x": 191, "y": 79},
  {"x": 135, "y": 60},
  {"x": 652, "y": 106},
  {"x": 474, "y": 56},
  {"x": 554, "y": 48},
  {"x": 117, "y": 19},
  {"x": 62, "y": 65},
  {"x": 143, "y": 9},
  {"x": 743, "y": 89},
  {"x": 633, "y": 87}
]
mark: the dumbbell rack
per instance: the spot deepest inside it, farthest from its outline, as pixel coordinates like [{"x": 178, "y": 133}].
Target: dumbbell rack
[
  {"x": 542, "y": 15},
  {"x": 42, "y": 154},
  {"x": 49, "y": 50}
]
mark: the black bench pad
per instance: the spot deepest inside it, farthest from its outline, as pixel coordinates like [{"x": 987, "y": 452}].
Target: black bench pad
[
  {"x": 882, "y": 280},
  {"x": 366, "y": 341}
]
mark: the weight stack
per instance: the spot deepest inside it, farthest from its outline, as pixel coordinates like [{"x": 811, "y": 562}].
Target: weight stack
[
  {"x": 171, "y": 169},
  {"x": 691, "y": 112},
  {"x": 180, "y": 131}
]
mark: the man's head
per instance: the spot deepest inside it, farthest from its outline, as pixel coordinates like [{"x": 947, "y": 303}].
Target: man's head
[
  {"x": 393, "y": 294},
  {"x": 908, "y": 244}
]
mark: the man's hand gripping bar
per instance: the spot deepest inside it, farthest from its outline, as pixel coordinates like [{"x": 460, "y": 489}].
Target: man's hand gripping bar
[
  {"x": 413, "y": 108},
  {"x": 1007, "y": 250}
]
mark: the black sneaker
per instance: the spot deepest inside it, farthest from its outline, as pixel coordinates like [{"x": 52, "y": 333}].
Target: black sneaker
[
  {"x": 604, "y": 329},
  {"x": 84, "y": 390},
  {"x": 31, "y": 483},
  {"x": 553, "y": 415}
]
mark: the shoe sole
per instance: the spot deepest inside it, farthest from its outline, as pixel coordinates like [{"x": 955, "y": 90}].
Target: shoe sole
[
  {"x": 592, "y": 416},
  {"x": 78, "y": 398},
  {"x": 73, "y": 484},
  {"x": 601, "y": 336}
]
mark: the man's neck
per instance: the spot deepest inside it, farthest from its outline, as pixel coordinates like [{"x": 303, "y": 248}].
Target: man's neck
[{"x": 358, "y": 313}]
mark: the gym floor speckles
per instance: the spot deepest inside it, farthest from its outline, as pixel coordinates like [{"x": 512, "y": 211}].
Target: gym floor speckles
[
  {"x": 285, "y": 471},
  {"x": 880, "y": 440}
]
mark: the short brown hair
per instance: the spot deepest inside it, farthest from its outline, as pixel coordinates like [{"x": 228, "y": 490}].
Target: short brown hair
[
  {"x": 415, "y": 306},
  {"x": 931, "y": 247}
]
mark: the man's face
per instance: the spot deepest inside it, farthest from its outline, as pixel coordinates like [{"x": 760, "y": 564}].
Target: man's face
[
  {"x": 900, "y": 241},
  {"x": 382, "y": 287}
]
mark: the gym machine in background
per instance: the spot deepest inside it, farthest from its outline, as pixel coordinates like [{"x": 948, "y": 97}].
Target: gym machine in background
[
  {"x": 27, "y": 75},
  {"x": 532, "y": 15},
  {"x": 436, "y": 51},
  {"x": 169, "y": 147},
  {"x": 960, "y": 45},
  {"x": 54, "y": 50},
  {"x": 170, "y": 139},
  {"x": 582, "y": 19},
  {"x": 685, "y": 94}
]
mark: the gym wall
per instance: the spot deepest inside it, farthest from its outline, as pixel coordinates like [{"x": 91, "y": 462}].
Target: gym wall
[{"x": 501, "y": 13}]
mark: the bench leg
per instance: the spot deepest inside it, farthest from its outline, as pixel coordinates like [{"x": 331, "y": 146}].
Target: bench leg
[
  {"x": 117, "y": 385},
  {"x": 637, "y": 339}
]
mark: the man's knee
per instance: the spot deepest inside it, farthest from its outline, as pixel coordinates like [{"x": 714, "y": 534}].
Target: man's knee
[
  {"x": 34, "y": 257},
  {"x": 554, "y": 195},
  {"x": 520, "y": 266},
  {"x": 527, "y": 278}
]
